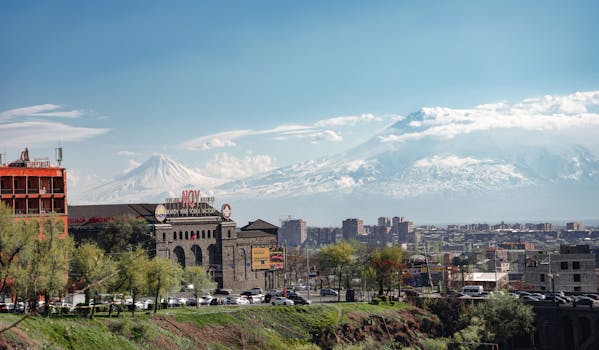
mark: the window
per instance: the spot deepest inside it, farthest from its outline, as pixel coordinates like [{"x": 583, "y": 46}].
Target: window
[
  {"x": 203, "y": 234},
  {"x": 542, "y": 287},
  {"x": 208, "y": 233},
  {"x": 577, "y": 289},
  {"x": 164, "y": 236},
  {"x": 186, "y": 235},
  {"x": 542, "y": 277},
  {"x": 576, "y": 277},
  {"x": 564, "y": 265},
  {"x": 576, "y": 265},
  {"x": 174, "y": 236},
  {"x": 228, "y": 233},
  {"x": 180, "y": 234}
]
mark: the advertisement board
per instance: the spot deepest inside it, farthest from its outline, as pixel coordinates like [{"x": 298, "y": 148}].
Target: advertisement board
[
  {"x": 260, "y": 258},
  {"x": 277, "y": 258}
]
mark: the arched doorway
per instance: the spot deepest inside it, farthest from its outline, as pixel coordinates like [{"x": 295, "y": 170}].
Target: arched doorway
[
  {"x": 197, "y": 252},
  {"x": 180, "y": 253}
]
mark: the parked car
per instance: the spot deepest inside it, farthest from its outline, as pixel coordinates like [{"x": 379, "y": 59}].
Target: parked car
[
  {"x": 300, "y": 287},
  {"x": 256, "y": 290},
  {"x": 299, "y": 300},
  {"x": 222, "y": 291},
  {"x": 282, "y": 301},
  {"x": 233, "y": 300},
  {"x": 205, "y": 299},
  {"x": 582, "y": 300},
  {"x": 328, "y": 291},
  {"x": 215, "y": 301}
]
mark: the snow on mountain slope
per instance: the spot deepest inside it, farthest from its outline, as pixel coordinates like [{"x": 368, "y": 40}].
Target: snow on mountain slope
[{"x": 152, "y": 181}]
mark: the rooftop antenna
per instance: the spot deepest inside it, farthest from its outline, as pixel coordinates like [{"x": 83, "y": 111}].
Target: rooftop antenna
[{"x": 58, "y": 152}]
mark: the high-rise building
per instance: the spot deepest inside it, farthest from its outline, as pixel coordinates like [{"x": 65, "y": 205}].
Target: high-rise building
[
  {"x": 34, "y": 189},
  {"x": 293, "y": 232},
  {"x": 544, "y": 226},
  {"x": 351, "y": 228},
  {"x": 575, "y": 226}
]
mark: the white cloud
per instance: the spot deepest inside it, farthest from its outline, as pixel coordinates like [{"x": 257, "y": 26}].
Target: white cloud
[
  {"x": 132, "y": 164},
  {"x": 345, "y": 182},
  {"x": 226, "y": 166},
  {"x": 126, "y": 153},
  {"x": 322, "y": 136},
  {"x": 319, "y": 132},
  {"x": 44, "y": 110},
  {"x": 40, "y": 133},
  {"x": 348, "y": 120},
  {"x": 450, "y": 161},
  {"x": 546, "y": 113}
]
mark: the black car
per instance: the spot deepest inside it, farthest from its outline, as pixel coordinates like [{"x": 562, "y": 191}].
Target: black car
[{"x": 298, "y": 299}]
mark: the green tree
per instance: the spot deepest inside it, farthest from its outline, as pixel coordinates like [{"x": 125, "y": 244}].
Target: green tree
[
  {"x": 123, "y": 234},
  {"x": 16, "y": 239},
  {"x": 132, "y": 277},
  {"x": 387, "y": 263},
  {"x": 163, "y": 275},
  {"x": 199, "y": 278},
  {"x": 337, "y": 257},
  {"x": 504, "y": 318},
  {"x": 53, "y": 254},
  {"x": 92, "y": 268}
]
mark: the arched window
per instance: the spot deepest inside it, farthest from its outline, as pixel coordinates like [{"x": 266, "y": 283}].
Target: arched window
[
  {"x": 208, "y": 233},
  {"x": 180, "y": 234},
  {"x": 175, "y": 236},
  {"x": 186, "y": 235},
  {"x": 203, "y": 234},
  {"x": 229, "y": 233},
  {"x": 164, "y": 236}
]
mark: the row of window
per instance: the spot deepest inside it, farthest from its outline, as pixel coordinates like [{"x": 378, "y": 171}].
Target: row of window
[
  {"x": 575, "y": 265},
  {"x": 575, "y": 277},
  {"x": 194, "y": 234}
]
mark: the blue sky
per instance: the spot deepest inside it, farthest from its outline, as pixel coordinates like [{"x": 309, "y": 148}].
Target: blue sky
[{"x": 275, "y": 81}]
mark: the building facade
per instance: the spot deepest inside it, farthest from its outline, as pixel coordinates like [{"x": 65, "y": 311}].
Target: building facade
[
  {"x": 293, "y": 232},
  {"x": 34, "y": 189},
  {"x": 570, "y": 270},
  {"x": 194, "y": 234},
  {"x": 351, "y": 228}
]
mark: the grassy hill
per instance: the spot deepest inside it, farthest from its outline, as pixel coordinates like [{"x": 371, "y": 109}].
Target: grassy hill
[{"x": 326, "y": 326}]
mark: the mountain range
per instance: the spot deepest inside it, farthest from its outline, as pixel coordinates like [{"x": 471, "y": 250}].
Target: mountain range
[{"x": 533, "y": 160}]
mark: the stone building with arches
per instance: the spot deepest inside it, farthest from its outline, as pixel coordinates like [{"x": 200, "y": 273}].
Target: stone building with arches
[{"x": 195, "y": 235}]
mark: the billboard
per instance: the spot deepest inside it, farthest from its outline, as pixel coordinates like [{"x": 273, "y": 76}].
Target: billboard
[
  {"x": 277, "y": 258},
  {"x": 260, "y": 258}
]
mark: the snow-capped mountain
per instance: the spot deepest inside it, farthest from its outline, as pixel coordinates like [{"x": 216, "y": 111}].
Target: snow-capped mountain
[
  {"x": 517, "y": 157},
  {"x": 152, "y": 181}
]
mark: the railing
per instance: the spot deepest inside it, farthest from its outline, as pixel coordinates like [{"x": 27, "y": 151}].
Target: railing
[
  {"x": 33, "y": 211},
  {"x": 58, "y": 190},
  {"x": 19, "y": 190},
  {"x": 33, "y": 190},
  {"x": 6, "y": 191}
]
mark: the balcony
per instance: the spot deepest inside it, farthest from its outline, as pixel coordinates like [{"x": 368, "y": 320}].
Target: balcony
[
  {"x": 20, "y": 191},
  {"x": 6, "y": 191}
]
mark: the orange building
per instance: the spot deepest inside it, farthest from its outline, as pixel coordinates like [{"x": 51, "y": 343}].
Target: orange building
[{"x": 34, "y": 189}]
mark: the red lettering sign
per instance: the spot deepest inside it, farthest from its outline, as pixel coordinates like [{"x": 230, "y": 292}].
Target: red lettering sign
[{"x": 190, "y": 198}]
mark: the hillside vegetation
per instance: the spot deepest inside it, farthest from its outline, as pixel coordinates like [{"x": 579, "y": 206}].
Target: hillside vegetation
[{"x": 327, "y": 326}]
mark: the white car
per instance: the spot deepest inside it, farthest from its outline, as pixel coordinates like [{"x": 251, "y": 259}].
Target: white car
[
  {"x": 237, "y": 301},
  {"x": 282, "y": 301},
  {"x": 205, "y": 299}
]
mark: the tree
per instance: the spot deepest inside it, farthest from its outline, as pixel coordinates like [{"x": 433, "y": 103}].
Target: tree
[
  {"x": 387, "y": 263},
  {"x": 199, "y": 278},
  {"x": 53, "y": 255},
  {"x": 504, "y": 318},
  {"x": 124, "y": 233},
  {"x": 16, "y": 239},
  {"x": 163, "y": 276},
  {"x": 337, "y": 257},
  {"x": 92, "y": 268},
  {"x": 132, "y": 274}
]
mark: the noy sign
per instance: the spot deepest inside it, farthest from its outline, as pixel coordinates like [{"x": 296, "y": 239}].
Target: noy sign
[{"x": 189, "y": 204}]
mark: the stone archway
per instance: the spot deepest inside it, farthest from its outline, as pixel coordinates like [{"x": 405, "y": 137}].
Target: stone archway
[
  {"x": 180, "y": 254},
  {"x": 197, "y": 252}
]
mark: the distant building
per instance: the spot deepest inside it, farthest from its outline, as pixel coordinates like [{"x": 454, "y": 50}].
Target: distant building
[
  {"x": 351, "y": 228},
  {"x": 293, "y": 232},
  {"x": 322, "y": 235},
  {"x": 573, "y": 269},
  {"x": 404, "y": 230},
  {"x": 575, "y": 226},
  {"x": 544, "y": 226}
]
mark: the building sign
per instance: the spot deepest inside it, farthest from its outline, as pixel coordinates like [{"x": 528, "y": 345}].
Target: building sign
[
  {"x": 160, "y": 213},
  {"x": 260, "y": 258},
  {"x": 225, "y": 210},
  {"x": 277, "y": 258},
  {"x": 191, "y": 203}
]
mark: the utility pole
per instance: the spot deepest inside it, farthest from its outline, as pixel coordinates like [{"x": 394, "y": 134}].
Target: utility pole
[{"x": 308, "y": 269}]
